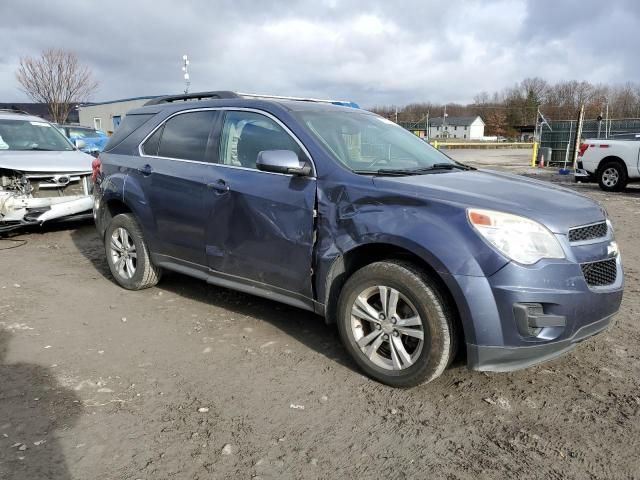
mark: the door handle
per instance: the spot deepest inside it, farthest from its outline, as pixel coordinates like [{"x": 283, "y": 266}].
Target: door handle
[
  {"x": 220, "y": 186},
  {"x": 146, "y": 170}
]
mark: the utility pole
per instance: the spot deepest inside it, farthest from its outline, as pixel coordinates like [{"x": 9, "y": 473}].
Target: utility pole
[
  {"x": 577, "y": 140},
  {"x": 396, "y": 114},
  {"x": 185, "y": 69},
  {"x": 606, "y": 122},
  {"x": 444, "y": 122},
  {"x": 428, "y": 127}
]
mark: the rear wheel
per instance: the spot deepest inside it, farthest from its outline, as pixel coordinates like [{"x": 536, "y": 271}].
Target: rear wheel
[
  {"x": 128, "y": 255},
  {"x": 612, "y": 177},
  {"x": 395, "y": 324}
]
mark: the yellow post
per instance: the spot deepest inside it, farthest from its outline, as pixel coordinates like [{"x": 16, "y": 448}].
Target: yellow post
[
  {"x": 534, "y": 154},
  {"x": 435, "y": 144}
]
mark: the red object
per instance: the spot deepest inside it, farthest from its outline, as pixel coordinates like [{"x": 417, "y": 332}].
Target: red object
[
  {"x": 604, "y": 145},
  {"x": 96, "y": 167},
  {"x": 583, "y": 148}
]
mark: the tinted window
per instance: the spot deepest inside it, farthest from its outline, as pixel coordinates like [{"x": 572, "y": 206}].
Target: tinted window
[
  {"x": 130, "y": 124},
  {"x": 186, "y": 136},
  {"x": 245, "y": 134},
  {"x": 150, "y": 147}
]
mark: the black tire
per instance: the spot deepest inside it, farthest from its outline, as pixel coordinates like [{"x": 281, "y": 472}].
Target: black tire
[
  {"x": 144, "y": 273},
  {"x": 607, "y": 176},
  {"x": 435, "y": 316}
]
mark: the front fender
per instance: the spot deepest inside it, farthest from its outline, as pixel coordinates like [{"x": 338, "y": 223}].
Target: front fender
[{"x": 437, "y": 232}]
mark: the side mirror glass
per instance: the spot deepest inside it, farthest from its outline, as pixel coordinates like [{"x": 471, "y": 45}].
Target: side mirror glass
[
  {"x": 80, "y": 144},
  {"x": 282, "y": 161}
]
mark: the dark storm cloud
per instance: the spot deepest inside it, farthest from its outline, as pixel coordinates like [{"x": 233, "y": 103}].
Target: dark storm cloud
[{"x": 372, "y": 52}]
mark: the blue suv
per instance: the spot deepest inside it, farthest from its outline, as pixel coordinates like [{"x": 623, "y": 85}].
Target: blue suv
[{"x": 341, "y": 212}]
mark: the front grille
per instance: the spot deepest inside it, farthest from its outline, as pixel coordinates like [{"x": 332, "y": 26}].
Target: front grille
[
  {"x": 62, "y": 185},
  {"x": 599, "y": 274},
  {"x": 588, "y": 232}
]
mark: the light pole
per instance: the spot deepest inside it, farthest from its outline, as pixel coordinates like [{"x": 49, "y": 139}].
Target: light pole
[{"x": 185, "y": 69}]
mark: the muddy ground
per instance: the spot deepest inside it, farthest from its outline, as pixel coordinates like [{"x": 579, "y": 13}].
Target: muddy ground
[{"x": 190, "y": 381}]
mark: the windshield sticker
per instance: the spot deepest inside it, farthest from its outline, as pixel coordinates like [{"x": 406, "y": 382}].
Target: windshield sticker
[{"x": 40, "y": 124}]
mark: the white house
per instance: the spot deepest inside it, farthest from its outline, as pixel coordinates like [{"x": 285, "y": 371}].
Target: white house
[
  {"x": 106, "y": 116},
  {"x": 465, "y": 128}
]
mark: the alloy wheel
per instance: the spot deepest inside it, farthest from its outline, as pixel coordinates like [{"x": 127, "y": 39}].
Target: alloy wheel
[
  {"x": 387, "y": 327},
  {"x": 123, "y": 253}
]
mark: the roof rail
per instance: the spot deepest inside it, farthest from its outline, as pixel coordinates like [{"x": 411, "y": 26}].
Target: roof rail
[
  {"x": 192, "y": 96},
  {"x": 228, "y": 94},
  {"x": 300, "y": 99}
]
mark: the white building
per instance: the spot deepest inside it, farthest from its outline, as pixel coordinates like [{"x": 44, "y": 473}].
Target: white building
[
  {"x": 465, "y": 128},
  {"x": 106, "y": 116}
]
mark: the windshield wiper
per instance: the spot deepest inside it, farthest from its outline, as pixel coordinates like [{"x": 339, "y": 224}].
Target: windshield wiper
[
  {"x": 387, "y": 171},
  {"x": 449, "y": 166},
  {"x": 40, "y": 149},
  {"x": 414, "y": 171}
]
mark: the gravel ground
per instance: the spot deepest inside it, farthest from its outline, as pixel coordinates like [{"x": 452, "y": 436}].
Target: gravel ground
[{"x": 191, "y": 381}]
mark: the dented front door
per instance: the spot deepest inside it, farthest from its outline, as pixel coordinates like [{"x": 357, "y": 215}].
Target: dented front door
[{"x": 262, "y": 228}]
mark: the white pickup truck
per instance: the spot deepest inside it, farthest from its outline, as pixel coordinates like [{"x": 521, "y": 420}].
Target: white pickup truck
[{"x": 613, "y": 163}]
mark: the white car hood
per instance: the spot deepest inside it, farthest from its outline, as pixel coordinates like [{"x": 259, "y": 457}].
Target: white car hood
[{"x": 55, "y": 162}]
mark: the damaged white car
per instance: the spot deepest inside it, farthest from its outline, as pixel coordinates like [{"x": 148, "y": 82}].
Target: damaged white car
[{"x": 43, "y": 177}]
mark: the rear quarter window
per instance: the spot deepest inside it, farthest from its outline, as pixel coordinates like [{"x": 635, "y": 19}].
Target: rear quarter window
[{"x": 129, "y": 125}]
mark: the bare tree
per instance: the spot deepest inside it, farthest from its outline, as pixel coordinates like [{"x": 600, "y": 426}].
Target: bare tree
[
  {"x": 58, "y": 79},
  {"x": 496, "y": 122}
]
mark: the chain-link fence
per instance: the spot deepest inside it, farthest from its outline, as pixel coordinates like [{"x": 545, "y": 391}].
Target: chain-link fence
[{"x": 563, "y": 135}]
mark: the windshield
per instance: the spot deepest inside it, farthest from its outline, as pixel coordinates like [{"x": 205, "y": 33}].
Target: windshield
[
  {"x": 31, "y": 135},
  {"x": 368, "y": 143}
]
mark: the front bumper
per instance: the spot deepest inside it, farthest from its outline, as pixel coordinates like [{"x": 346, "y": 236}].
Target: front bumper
[
  {"x": 564, "y": 306},
  {"x": 18, "y": 210},
  {"x": 507, "y": 359}
]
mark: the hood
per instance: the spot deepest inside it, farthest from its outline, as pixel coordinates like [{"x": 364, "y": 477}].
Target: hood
[
  {"x": 555, "y": 207},
  {"x": 55, "y": 162}
]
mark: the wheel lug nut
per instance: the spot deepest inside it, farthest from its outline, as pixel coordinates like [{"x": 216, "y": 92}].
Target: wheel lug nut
[
  {"x": 394, "y": 320},
  {"x": 386, "y": 337},
  {"x": 395, "y": 333},
  {"x": 381, "y": 316},
  {"x": 378, "y": 326}
]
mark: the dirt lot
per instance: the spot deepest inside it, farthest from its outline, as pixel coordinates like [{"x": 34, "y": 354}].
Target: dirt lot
[{"x": 190, "y": 381}]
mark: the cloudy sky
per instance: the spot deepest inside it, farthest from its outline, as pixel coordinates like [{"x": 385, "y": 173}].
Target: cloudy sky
[{"x": 372, "y": 52}]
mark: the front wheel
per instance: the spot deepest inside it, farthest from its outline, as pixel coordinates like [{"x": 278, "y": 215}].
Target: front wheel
[
  {"x": 612, "y": 177},
  {"x": 395, "y": 324},
  {"x": 128, "y": 255}
]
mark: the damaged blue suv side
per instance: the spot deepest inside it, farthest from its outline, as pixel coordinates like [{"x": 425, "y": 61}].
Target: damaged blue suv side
[{"x": 341, "y": 212}]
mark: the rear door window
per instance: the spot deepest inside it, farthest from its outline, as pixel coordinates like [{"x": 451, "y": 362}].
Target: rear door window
[{"x": 186, "y": 136}]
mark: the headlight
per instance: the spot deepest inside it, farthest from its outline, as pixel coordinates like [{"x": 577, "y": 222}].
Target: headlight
[{"x": 518, "y": 238}]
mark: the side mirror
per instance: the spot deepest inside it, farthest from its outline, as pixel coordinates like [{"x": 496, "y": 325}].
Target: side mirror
[
  {"x": 80, "y": 144},
  {"x": 282, "y": 161}
]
